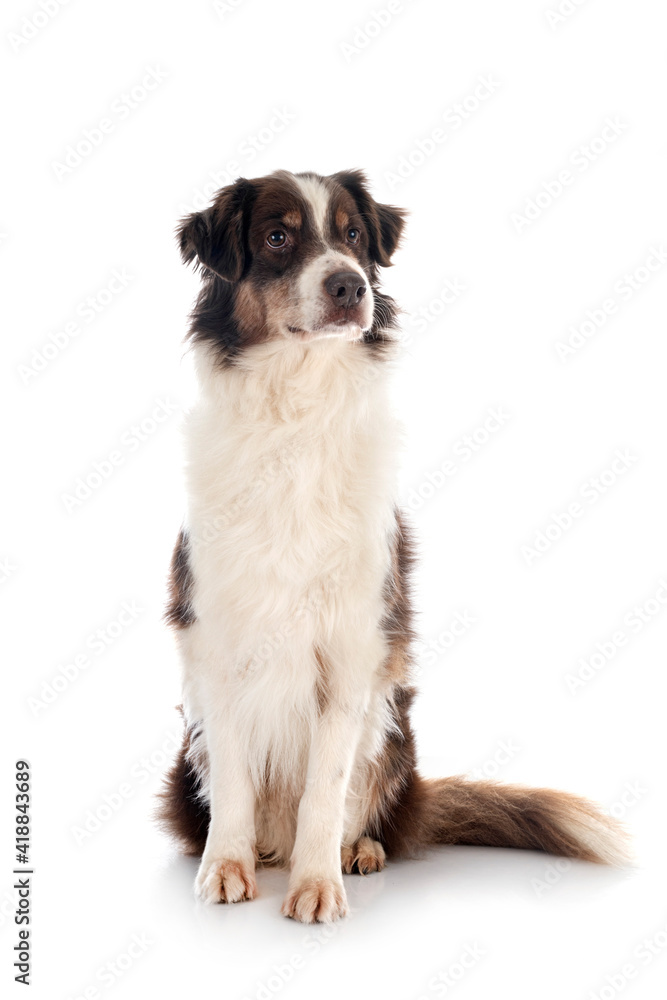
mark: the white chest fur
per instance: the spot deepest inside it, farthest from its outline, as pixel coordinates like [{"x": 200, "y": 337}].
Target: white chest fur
[{"x": 292, "y": 483}]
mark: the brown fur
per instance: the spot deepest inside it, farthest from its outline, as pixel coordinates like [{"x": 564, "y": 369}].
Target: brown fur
[
  {"x": 248, "y": 288},
  {"x": 398, "y": 619},
  {"x": 179, "y": 611},
  {"x": 363, "y": 857},
  {"x": 342, "y": 218},
  {"x": 322, "y": 690},
  {"x": 483, "y": 813},
  {"x": 181, "y": 812},
  {"x": 292, "y": 219}
]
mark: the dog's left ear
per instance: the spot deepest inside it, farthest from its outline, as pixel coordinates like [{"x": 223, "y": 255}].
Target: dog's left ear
[
  {"x": 216, "y": 236},
  {"x": 385, "y": 223}
]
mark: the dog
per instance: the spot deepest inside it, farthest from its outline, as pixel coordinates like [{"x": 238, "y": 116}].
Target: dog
[{"x": 290, "y": 582}]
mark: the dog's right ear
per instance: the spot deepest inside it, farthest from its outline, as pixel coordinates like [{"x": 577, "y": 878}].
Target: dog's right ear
[{"x": 215, "y": 238}]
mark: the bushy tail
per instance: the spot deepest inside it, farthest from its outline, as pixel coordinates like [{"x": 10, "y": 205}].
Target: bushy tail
[{"x": 484, "y": 813}]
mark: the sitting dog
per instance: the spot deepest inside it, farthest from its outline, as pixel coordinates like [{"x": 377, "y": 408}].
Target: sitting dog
[{"x": 290, "y": 590}]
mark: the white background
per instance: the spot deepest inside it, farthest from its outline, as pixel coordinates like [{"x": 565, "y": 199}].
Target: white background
[{"x": 354, "y": 100}]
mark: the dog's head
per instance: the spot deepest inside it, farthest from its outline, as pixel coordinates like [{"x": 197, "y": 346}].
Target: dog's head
[{"x": 291, "y": 255}]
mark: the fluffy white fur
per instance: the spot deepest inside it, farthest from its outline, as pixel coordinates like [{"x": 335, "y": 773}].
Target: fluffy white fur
[{"x": 287, "y": 561}]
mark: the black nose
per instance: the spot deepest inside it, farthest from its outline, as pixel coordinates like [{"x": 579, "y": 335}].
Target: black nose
[{"x": 347, "y": 288}]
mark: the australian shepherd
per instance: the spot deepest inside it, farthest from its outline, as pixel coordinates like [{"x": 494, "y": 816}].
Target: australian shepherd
[{"x": 290, "y": 581}]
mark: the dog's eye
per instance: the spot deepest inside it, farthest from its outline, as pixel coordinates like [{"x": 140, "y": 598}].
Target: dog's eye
[
  {"x": 276, "y": 239},
  {"x": 353, "y": 235}
]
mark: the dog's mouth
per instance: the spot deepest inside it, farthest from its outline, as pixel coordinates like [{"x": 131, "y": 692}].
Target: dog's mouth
[{"x": 334, "y": 328}]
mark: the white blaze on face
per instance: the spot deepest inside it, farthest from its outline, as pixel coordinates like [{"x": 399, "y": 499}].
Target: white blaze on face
[
  {"x": 313, "y": 299},
  {"x": 317, "y": 196}
]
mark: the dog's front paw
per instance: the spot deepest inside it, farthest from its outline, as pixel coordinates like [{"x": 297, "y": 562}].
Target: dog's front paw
[
  {"x": 316, "y": 899},
  {"x": 221, "y": 880}
]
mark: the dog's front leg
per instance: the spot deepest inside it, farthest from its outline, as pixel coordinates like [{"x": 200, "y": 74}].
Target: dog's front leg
[
  {"x": 316, "y": 886},
  {"x": 227, "y": 870}
]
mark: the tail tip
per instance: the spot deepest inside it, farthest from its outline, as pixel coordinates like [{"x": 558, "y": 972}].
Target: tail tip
[{"x": 601, "y": 838}]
